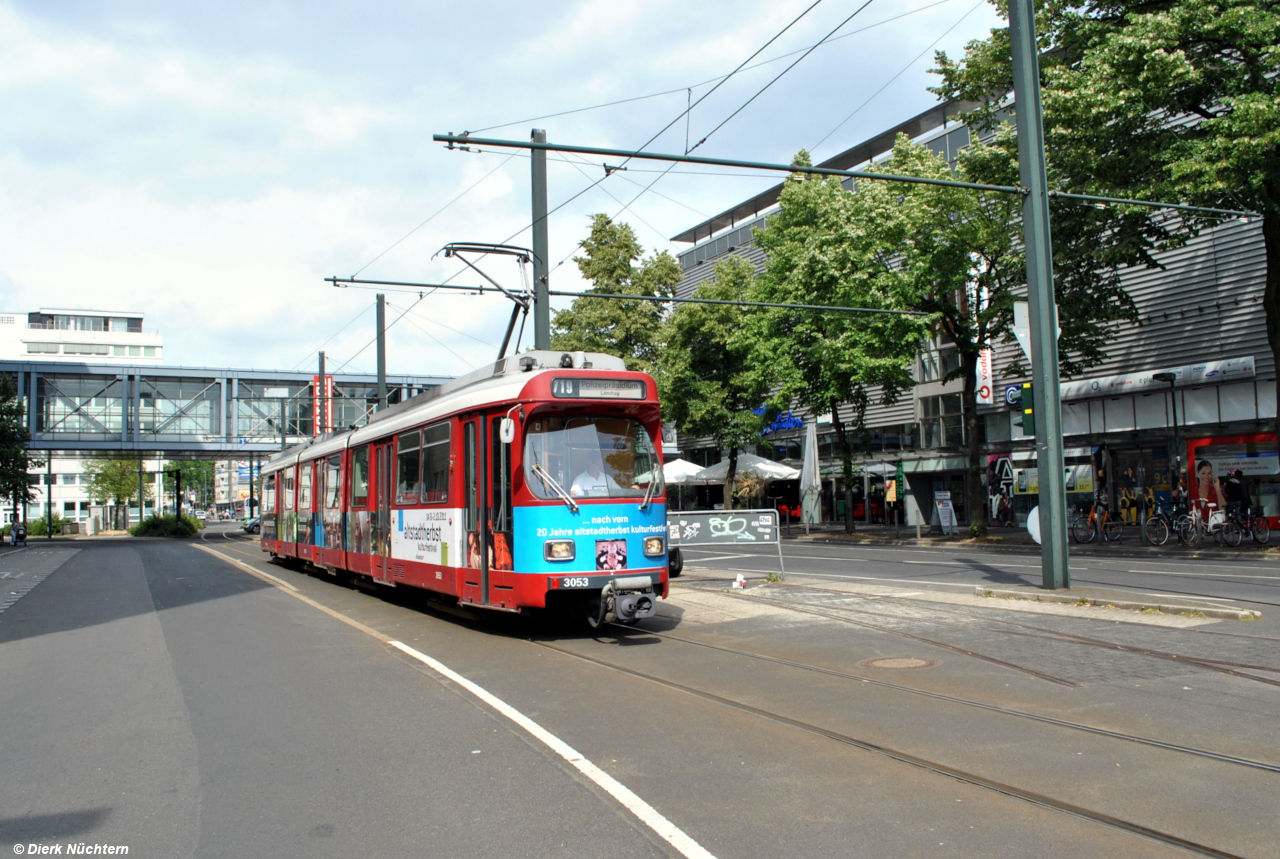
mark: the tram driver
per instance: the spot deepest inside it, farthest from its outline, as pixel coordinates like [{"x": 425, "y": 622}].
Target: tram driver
[{"x": 593, "y": 482}]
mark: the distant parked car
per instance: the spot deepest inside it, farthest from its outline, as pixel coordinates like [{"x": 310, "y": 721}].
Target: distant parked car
[
  {"x": 252, "y": 526},
  {"x": 200, "y": 514}
]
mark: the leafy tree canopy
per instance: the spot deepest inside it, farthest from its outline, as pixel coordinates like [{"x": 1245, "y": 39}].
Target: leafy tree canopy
[
  {"x": 710, "y": 383},
  {"x": 1172, "y": 101},
  {"x": 628, "y": 329},
  {"x": 14, "y": 460}
]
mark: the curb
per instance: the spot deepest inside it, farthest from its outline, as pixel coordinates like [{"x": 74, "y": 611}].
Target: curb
[{"x": 1224, "y": 613}]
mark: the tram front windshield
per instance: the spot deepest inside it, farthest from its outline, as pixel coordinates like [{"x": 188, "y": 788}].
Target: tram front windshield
[{"x": 591, "y": 457}]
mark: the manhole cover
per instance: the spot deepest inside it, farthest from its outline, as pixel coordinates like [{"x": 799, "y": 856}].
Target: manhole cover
[{"x": 891, "y": 662}]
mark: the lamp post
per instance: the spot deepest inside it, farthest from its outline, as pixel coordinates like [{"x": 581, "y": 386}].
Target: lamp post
[{"x": 1171, "y": 378}]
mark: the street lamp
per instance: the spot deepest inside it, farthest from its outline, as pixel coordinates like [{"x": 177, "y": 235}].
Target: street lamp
[{"x": 1171, "y": 378}]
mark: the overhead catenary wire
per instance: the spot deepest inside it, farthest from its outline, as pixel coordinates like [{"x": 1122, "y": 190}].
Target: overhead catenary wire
[
  {"x": 900, "y": 73},
  {"x": 690, "y": 87},
  {"x": 421, "y": 295},
  {"x": 332, "y": 337},
  {"x": 777, "y": 77},
  {"x": 409, "y": 286},
  {"x": 432, "y": 216}
]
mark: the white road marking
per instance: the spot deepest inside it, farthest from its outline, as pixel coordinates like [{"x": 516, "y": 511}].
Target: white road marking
[
  {"x": 253, "y": 571},
  {"x": 967, "y": 586},
  {"x": 724, "y": 557},
  {"x": 1201, "y": 575},
  {"x": 647, "y": 814},
  {"x": 671, "y": 833}
]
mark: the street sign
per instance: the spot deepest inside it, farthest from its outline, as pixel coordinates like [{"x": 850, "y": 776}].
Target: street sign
[{"x": 720, "y": 527}]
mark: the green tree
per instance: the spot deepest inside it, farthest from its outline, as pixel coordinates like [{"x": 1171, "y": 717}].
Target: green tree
[
  {"x": 1171, "y": 101},
  {"x": 955, "y": 255},
  {"x": 115, "y": 481},
  {"x": 628, "y": 329},
  {"x": 825, "y": 248},
  {"x": 710, "y": 384},
  {"x": 14, "y": 438}
]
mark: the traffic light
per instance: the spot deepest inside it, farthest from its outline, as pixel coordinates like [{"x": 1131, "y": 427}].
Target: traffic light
[{"x": 1026, "y": 414}]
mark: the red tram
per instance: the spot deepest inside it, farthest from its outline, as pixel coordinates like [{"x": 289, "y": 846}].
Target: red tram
[{"x": 535, "y": 483}]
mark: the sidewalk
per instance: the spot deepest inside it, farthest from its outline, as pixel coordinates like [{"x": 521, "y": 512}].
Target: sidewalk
[{"x": 1131, "y": 545}]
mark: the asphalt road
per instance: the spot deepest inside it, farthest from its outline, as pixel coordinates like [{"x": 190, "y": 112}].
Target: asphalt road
[{"x": 181, "y": 702}]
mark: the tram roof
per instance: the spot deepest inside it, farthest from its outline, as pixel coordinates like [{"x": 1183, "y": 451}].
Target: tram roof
[{"x": 503, "y": 380}]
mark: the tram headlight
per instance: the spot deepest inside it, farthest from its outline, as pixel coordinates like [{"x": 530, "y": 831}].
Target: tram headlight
[
  {"x": 558, "y": 550},
  {"x": 654, "y": 546}
]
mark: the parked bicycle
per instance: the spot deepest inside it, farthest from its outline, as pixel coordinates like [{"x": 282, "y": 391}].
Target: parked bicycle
[
  {"x": 1247, "y": 521},
  {"x": 1094, "y": 521},
  {"x": 1160, "y": 525}
]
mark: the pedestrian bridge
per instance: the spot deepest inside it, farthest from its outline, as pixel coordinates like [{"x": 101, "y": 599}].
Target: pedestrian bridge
[{"x": 196, "y": 411}]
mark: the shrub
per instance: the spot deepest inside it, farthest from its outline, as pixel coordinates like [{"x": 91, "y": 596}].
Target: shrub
[
  {"x": 167, "y": 526},
  {"x": 39, "y": 527}
]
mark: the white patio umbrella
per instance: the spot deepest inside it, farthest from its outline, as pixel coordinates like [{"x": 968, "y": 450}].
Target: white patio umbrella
[
  {"x": 679, "y": 471},
  {"x": 810, "y": 480},
  {"x": 747, "y": 464}
]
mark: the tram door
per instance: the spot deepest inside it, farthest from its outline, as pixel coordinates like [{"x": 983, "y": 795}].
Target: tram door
[
  {"x": 380, "y": 527},
  {"x": 475, "y": 577},
  {"x": 487, "y": 512}
]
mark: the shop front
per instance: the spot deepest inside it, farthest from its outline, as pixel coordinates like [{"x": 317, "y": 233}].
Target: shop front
[{"x": 1214, "y": 459}]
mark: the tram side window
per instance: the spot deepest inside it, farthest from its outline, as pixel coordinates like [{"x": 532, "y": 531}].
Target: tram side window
[
  {"x": 435, "y": 463},
  {"x": 408, "y": 467},
  {"x": 304, "y": 487},
  {"x": 360, "y": 476},
  {"x": 332, "y": 482},
  {"x": 269, "y": 494},
  {"x": 288, "y": 491}
]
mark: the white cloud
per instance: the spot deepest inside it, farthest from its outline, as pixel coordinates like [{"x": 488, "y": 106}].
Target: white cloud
[{"x": 211, "y": 167}]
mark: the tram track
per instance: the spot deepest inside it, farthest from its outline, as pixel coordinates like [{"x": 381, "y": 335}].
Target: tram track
[
  {"x": 912, "y": 760},
  {"x": 500, "y": 626}
]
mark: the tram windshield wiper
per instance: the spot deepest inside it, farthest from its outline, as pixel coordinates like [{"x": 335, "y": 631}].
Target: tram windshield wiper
[
  {"x": 648, "y": 493},
  {"x": 550, "y": 483}
]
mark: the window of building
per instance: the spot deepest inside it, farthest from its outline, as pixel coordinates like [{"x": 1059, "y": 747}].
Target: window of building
[
  {"x": 408, "y": 467},
  {"x": 435, "y": 463},
  {"x": 148, "y": 351},
  {"x": 85, "y": 349},
  {"x": 118, "y": 351},
  {"x": 941, "y": 424},
  {"x": 42, "y": 348},
  {"x": 360, "y": 476},
  {"x": 80, "y": 323},
  {"x": 936, "y": 363},
  {"x": 135, "y": 351},
  {"x": 119, "y": 323}
]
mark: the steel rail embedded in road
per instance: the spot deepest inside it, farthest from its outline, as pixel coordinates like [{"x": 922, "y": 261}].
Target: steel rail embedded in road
[
  {"x": 914, "y": 760},
  {"x": 938, "y": 696}
]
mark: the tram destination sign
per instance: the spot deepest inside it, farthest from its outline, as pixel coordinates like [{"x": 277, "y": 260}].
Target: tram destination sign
[
  {"x": 598, "y": 389},
  {"x": 717, "y": 527}
]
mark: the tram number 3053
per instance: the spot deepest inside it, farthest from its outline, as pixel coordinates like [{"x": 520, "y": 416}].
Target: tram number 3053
[{"x": 575, "y": 582}]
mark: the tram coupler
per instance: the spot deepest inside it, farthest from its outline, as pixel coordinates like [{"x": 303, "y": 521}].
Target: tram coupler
[{"x": 627, "y": 599}]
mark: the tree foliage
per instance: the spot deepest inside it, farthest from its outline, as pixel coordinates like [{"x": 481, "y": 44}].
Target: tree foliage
[
  {"x": 826, "y": 247},
  {"x": 710, "y": 384},
  {"x": 1171, "y": 101},
  {"x": 628, "y": 329},
  {"x": 14, "y": 437}
]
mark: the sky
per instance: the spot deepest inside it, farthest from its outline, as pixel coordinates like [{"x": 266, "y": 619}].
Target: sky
[{"x": 209, "y": 164}]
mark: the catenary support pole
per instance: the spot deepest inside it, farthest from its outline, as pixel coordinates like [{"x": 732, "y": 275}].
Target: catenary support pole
[
  {"x": 1055, "y": 567},
  {"x": 142, "y": 494},
  {"x": 48, "y": 498},
  {"x": 382, "y": 351},
  {"x": 541, "y": 284}
]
